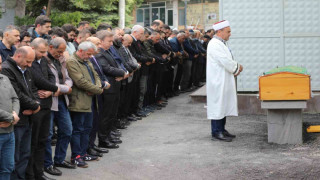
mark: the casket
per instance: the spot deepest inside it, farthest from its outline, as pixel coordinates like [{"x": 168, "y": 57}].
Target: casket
[{"x": 286, "y": 83}]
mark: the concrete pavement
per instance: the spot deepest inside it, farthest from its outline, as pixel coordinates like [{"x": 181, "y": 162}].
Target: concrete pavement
[{"x": 175, "y": 143}]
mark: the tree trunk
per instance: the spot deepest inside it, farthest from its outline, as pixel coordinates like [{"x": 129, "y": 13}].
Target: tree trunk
[
  {"x": 49, "y": 7},
  {"x": 20, "y": 8}
]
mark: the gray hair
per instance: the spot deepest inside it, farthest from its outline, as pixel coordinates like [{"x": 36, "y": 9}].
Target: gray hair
[
  {"x": 86, "y": 45},
  {"x": 10, "y": 28},
  {"x": 181, "y": 34},
  {"x": 103, "y": 34},
  {"x": 56, "y": 42},
  {"x": 37, "y": 41},
  {"x": 114, "y": 30},
  {"x": 137, "y": 28}
]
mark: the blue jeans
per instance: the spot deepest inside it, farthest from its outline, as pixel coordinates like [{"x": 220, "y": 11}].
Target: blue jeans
[
  {"x": 218, "y": 126},
  {"x": 82, "y": 125},
  {"x": 22, "y": 150},
  {"x": 6, "y": 155},
  {"x": 63, "y": 121}
]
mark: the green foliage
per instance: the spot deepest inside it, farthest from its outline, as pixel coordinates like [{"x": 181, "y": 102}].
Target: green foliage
[
  {"x": 60, "y": 18},
  {"x": 74, "y": 11},
  {"x": 26, "y": 20}
]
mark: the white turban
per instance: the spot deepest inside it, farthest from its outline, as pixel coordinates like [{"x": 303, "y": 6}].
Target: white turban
[{"x": 220, "y": 25}]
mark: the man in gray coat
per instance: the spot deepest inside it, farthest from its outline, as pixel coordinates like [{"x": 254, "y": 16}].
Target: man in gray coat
[{"x": 9, "y": 105}]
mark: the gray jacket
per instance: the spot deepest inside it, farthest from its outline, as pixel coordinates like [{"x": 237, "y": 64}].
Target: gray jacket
[
  {"x": 64, "y": 88},
  {"x": 8, "y": 102}
]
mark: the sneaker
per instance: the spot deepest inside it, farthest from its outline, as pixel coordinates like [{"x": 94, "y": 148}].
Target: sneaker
[
  {"x": 79, "y": 162},
  {"x": 88, "y": 157}
]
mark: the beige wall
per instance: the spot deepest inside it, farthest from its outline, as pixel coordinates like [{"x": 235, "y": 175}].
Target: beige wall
[
  {"x": 200, "y": 12},
  {"x": 194, "y": 12}
]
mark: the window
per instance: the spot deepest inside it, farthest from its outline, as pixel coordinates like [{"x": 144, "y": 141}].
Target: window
[
  {"x": 139, "y": 15},
  {"x": 159, "y": 4},
  {"x": 170, "y": 18},
  {"x": 181, "y": 17},
  {"x": 146, "y": 17}
]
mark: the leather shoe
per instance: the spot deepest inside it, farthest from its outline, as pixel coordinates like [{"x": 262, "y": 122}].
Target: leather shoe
[
  {"x": 136, "y": 117},
  {"x": 44, "y": 177},
  {"x": 221, "y": 137},
  {"x": 226, "y": 133},
  {"x": 115, "y": 140},
  {"x": 130, "y": 118},
  {"x": 108, "y": 144},
  {"x": 116, "y": 133},
  {"x": 65, "y": 164},
  {"x": 100, "y": 150},
  {"x": 111, "y": 136},
  {"x": 53, "y": 171},
  {"x": 93, "y": 152}
]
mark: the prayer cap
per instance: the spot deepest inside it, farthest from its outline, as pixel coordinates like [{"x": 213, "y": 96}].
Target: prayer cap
[{"x": 220, "y": 25}]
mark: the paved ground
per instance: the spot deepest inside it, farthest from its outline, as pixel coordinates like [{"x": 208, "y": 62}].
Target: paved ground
[{"x": 175, "y": 143}]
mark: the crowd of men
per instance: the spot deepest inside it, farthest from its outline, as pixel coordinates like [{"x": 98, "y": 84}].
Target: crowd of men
[{"x": 80, "y": 85}]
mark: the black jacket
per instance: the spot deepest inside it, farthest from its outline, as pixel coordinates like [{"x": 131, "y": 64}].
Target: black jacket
[
  {"x": 44, "y": 79},
  {"x": 110, "y": 69},
  {"x": 117, "y": 46},
  {"x": 138, "y": 51},
  {"x": 24, "y": 87},
  {"x": 126, "y": 57}
]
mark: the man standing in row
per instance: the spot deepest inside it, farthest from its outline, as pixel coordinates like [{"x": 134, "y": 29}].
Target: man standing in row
[
  {"x": 15, "y": 69},
  {"x": 9, "y": 106},
  {"x": 83, "y": 97},
  {"x": 221, "y": 85},
  {"x": 45, "y": 82}
]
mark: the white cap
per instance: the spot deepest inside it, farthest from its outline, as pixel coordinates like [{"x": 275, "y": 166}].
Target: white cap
[{"x": 220, "y": 25}]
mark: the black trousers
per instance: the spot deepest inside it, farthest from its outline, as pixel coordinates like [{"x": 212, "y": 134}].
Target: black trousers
[
  {"x": 168, "y": 81},
  {"x": 108, "y": 117},
  {"x": 133, "y": 90},
  {"x": 197, "y": 71},
  {"x": 40, "y": 133},
  {"x": 123, "y": 100},
  {"x": 129, "y": 101},
  {"x": 178, "y": 76},
  {"x": 160, "y": 85},
  {"x": 96, "y": 119},
  {"x": 150, "y": 97}
]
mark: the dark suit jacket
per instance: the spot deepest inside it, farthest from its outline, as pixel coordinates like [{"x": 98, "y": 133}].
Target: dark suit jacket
[
  {"x": 24, "y": 87},
  {"x": 175, "y": 45},
  {"x": 110, "y": 69},
  {"x": 99, "y": 71},
  {"x": 117, "y": 46},
  {"x": 44, "y": 79},
  {"x": 190, "y": 50},
  {"x": 138, "y": 51}
]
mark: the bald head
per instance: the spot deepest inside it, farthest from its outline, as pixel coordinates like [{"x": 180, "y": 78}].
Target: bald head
[
  {"x": 127, "y": 40},
  {"x": 96, "y": 41},
  {"x": 40, "y": 47},
  {"x": 24, "y": 56}
]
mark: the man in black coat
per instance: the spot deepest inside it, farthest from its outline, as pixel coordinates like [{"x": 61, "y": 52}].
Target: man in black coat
[
  {"x": 44, "y": 80},
  {"x": 16, "y": 69},
  {"x": 136, "y": 49},
  {"x": 115, "y": 73},
  {"x": 117, "y": 45},
  {"x": 131, "y": 103}
]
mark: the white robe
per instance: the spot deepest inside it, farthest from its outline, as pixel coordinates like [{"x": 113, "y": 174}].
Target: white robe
[{"x": 221, "y": 85}]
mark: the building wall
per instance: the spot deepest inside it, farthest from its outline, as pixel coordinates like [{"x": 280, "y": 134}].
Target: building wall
[
  {"x": 199, "y": 14},
  {"x": 8, "y": 13},
  {"x": 202, "y": 14}
]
